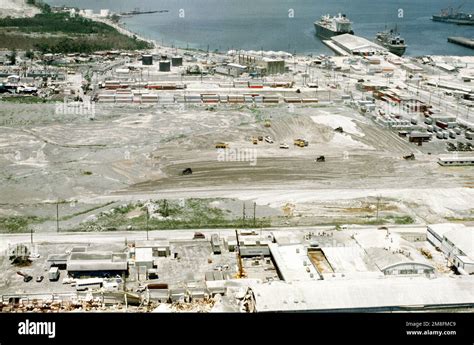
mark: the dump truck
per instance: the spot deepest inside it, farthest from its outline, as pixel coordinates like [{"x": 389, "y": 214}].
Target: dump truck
[{"x": 222, "y": 146}]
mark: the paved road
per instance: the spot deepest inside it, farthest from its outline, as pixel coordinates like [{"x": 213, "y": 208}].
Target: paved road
[{"x": 120, "y": 236}]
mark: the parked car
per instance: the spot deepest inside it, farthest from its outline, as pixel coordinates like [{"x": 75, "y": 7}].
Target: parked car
[{"x": 39, "y": 279}]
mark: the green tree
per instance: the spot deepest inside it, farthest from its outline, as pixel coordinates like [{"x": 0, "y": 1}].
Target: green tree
[
  {"x": 29, "y": 54},
  {"x": 12, "y": 57}
]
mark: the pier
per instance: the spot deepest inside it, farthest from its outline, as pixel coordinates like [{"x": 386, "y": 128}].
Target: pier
[{"x": 463, "y": 41}]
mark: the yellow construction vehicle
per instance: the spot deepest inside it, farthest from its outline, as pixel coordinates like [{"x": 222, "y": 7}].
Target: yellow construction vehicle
[
  {"x": 299, "y": 142},
  {"x": 267, "y": 123},
  {"x": 222, "y": 146},
  {"x": 241, "y": 273},
  {"x": 255, "y": 140}
]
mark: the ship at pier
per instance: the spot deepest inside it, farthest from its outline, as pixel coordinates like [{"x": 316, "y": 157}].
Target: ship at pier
[
  {"x": 391, "y": 40},
  {"x": 328, "y": 26},
  {"x": 450, "y": 15}
]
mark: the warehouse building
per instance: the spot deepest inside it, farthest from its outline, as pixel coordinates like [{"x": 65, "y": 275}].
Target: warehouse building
[
  {"x": 393, "y": 255},
  {"x": 231, "y": 69},
  {"x": 356, "y": 45},
  {"x": 456, "y": 241},
  {"x": 365, "y": 295},
  {"x": 160, "y": 248},
  {"x": 144, "y": 258},
  {"x": 263, "y": 65},
  {"x": 293, "y": 263},
  {"x": 96, "y": 264}
]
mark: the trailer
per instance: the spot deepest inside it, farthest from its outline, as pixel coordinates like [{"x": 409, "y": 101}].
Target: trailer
[
  {"x": 53, "y": 274},
  {"x": 215, "y": 244}
]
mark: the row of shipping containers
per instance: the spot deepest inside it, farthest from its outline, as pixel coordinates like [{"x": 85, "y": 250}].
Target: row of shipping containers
[
  {"x": 116, "y": 85},
  {"x": 253, "y": 84},
  {"x": 129, "y": 97}
]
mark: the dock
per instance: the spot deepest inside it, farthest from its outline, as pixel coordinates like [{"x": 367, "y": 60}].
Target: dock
[
  {"x": 462, "y": 41},
  {"x": 136, "y": 12}
]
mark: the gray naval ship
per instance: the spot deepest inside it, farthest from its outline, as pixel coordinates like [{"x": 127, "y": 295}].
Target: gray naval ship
[
  {"x": 391, "y": 40},
  {"x": 450, "y": 15}
]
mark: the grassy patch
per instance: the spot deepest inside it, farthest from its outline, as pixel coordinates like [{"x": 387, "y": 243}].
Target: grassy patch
[
  {"x": 85, "y": 211},
  {"x": 193, "y": 214},
  {"x": 460, "y": 219},
  {"x": 18, "y": 223},
  {"x": 24, "y": 100}
]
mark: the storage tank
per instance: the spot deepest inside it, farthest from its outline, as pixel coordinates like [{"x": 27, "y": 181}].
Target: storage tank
[
  {"x": 147, "y": 60},
  {"x": 165, "y": 66},
  {"x": 177, "y": 61}
]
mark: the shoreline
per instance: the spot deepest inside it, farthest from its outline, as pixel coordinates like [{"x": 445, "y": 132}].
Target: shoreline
[{"x": 121, "y": 28}]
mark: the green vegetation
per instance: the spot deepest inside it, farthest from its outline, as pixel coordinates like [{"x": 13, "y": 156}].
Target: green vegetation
[
  {"x": 25, "y": 100},
  {"x": 18, "y": 223},
  {"x": 44, "y": 7},
  {"x": 192, "y": 214},
  {"x": 60, "y": 33}
]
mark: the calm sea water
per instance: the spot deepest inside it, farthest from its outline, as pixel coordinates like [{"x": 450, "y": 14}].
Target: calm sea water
[{"x": 269, "y": 24}]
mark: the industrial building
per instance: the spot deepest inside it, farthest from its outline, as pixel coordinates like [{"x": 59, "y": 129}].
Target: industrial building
[
  {"x": 144, "y": 258},
  {"x": 356, "y": 45},
  {"x": 232, "y": 69},
  {"x": 393, "y": 255},
  {"x": 365, "y": 295},
  {"x": 456, "y": 241},
  {"x": 456, "y": 160},
  {"x": 96, "y": 264},
  {"x": 293, "y": 263},
  {"x": 263, "y": 65},
  {"x": 158, "y": 247}
]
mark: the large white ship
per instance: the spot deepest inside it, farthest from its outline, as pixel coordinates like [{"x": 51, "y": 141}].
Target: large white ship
[{"x": 328, "y": 27}]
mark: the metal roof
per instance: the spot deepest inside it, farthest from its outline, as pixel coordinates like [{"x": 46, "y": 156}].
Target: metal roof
[
  {"x": 363, "y": 294},
  {"x": 143, "y": 254},
  {"x": 97, "y": 261},
  {"x": 293, "y": 262},
  {"x": 463, "y": 239}
]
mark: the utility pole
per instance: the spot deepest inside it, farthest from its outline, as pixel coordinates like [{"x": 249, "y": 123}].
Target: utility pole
[
  {"x": 57, "y": 216},
  {"x": 243, "y": 216},
  {"x": 254, "y": 219},
  {"x": 378, "y": 206},
  {"x": 147, "y": 217},
  {"x": 31, "y": 235}
]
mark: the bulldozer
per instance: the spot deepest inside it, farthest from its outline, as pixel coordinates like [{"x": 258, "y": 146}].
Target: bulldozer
[
  {"x": 409, "y": 157},
  {"x": 321, "y": 159},
  {"x": 255, "y": 140},
  {"x": 187, "y": 171},
  {"x": 300, "y": 142},
  {"x": 267, "y": 123},
  {"x": 222, "y": 146}
]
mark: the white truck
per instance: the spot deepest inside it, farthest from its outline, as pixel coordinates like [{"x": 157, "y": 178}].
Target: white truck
[{"x": 53, "y": 274}]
